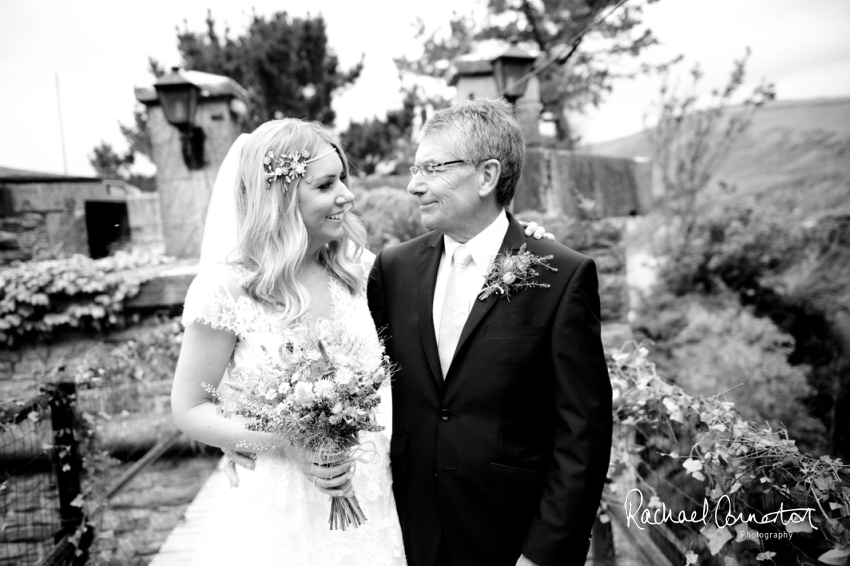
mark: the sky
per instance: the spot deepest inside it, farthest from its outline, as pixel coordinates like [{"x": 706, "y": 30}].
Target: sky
[{"x": 97, "y": 51}]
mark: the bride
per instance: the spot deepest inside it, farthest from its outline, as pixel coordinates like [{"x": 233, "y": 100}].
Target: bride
[{"x": 281, "y": 249}]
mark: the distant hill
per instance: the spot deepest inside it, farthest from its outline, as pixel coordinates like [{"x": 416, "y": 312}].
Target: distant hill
[{"x": 796, "y": 154}]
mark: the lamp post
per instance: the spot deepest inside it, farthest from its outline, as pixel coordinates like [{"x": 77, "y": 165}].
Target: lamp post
[
  {"x": 209, "y": 111},
  {"x": 508, "y": 75},
  {"x": 179, "y": 99},
  {"x": 508, "y": 68}
]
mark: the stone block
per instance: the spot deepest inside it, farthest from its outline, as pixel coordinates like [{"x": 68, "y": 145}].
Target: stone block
[
  {"x": 8, "y": 241},
  {"x": 162, "y": 292},
  {"x": 22, "y": 234}
]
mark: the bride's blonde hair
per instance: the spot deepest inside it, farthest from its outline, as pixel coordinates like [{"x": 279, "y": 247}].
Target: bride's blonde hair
[{"x": 272, "y": 236}]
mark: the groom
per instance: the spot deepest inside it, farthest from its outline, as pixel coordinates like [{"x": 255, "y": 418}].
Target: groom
[{"x": 501, "y": 406}]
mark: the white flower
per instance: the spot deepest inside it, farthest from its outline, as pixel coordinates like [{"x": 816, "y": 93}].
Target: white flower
[
  {"x": 283, "y": 388},
  {"x": 343, "y": 376},
  {"x": 270, "y": 394},
  {"x": 336, "y": 409},
  {"x": 304, "y": 393},
  {"x": 324, "y": 388},
  {"x": 693, "y": 467}
]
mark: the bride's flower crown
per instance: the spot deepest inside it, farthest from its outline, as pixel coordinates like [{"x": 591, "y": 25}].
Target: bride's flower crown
[{"x": 290, "y": 166}]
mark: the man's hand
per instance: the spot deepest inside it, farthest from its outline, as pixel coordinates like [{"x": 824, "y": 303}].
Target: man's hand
[
  {"x": 523, "y": 561},
  {"x": 244, "y": 459},
  {"x": 536, "y": 231}
]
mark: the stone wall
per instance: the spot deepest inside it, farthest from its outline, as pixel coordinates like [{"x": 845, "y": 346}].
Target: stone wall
[
  {"x": 45, "y": 215},
  {"x": 51, "y": 214},
  {"x": 20, "y": 235},
  {"x": 566, "y": 183},
  {"x": 145, "y": 215}
]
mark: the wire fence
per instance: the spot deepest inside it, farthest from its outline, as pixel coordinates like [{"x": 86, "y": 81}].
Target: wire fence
[
  {"x": 29, "y": 502},
  {"x": 670, "y": 493},
  {"x": 141, "y": 483}
]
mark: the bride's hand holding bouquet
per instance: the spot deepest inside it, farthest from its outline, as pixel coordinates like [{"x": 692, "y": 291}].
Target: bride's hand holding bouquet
[{"x": 316, "y": 393}]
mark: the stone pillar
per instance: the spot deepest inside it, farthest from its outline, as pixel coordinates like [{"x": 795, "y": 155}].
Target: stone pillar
[
  {"x": 528, "y": 110},
  {"x": 185, "y": 193}
]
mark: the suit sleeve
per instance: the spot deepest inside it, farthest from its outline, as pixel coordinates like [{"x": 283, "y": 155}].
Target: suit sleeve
[{"x": 559, "y": 534}]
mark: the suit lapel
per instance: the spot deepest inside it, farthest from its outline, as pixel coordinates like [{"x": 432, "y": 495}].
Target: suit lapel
[
  {"x": 429, "y": 261},
  {"x": 514, "y": 239}
]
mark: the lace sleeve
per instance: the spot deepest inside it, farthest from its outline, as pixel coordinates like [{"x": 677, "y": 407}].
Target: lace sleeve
[{"x": 210, "y": 301}]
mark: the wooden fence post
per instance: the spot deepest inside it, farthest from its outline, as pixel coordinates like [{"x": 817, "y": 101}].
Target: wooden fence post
[
  {"x": 68, "y": 462},
  {"x": 69, "y": 467}
]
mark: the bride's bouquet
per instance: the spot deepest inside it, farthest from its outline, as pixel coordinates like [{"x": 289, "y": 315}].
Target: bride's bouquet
[{"x": 317, "y": 391}]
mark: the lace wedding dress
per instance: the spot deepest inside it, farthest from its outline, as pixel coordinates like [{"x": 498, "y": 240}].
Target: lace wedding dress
[{"x": 276, "y": 516}]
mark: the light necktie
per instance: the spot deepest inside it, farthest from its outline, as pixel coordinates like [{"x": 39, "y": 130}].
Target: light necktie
[{"x": 455, "y": 307}]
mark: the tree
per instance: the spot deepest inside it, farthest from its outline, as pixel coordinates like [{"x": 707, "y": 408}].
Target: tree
[
  {"x": 371, "y": 142},
  {"x": 690, "y": 140},
  {"x": 108, "y": 163},
  {"x": 588, "y": 38},
  {"x": 284, "y": 63}
]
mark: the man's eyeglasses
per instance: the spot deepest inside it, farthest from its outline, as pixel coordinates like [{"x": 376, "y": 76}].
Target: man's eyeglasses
[{"x": 429, "y": 169}]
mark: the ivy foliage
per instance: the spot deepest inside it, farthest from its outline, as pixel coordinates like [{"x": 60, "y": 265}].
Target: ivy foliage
[
  {"x": 38, "y": 298},
  {"x": 150, "y": 356},
  {"x": 742, "y": 468}
]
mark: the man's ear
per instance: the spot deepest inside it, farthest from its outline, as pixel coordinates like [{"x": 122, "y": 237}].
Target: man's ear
[{"x": 491, "y": 170}]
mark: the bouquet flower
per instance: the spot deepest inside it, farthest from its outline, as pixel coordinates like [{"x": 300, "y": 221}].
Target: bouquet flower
[
  {"x": 509, "y": 272},
  {"x": 317, "y": 392}
]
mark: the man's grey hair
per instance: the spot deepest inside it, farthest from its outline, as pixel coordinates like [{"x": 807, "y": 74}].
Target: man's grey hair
[{"x": 483, "y": 129}]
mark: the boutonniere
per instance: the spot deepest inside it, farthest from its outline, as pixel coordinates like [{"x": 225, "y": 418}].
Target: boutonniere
[{"x": 511, "y": 272}]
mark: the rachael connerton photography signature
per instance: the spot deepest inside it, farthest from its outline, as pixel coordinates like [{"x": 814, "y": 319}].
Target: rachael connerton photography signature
[{"x": 723, "y": 514}]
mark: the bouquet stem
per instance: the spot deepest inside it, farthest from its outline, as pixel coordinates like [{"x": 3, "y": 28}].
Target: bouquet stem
[{"x": 345, "y": 510}]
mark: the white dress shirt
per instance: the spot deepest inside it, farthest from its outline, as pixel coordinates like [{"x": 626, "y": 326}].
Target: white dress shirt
[{"x": 483, "y": 248}]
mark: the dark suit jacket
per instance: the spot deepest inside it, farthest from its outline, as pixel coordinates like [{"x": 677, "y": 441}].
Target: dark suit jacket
[{"x": 510, "y": 453}]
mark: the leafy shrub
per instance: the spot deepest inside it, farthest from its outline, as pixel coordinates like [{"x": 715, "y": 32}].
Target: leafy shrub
[
  {"x": 733, "y": 351},
  {"x": 391, "y": 216},
  {"x": 40, "y": 297},
  {"x": 791, "y": 271},
  {"x": 713, "y": 344},
  {"x": 738, "y": 249},
  {"x": 151, "y": 355}
]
